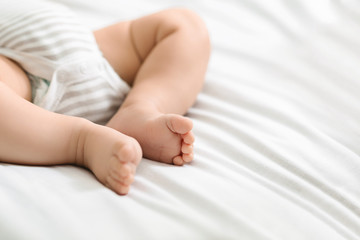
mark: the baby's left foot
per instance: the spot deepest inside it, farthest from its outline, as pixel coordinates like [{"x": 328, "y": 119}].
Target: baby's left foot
[{"x": 163, "y": 137}]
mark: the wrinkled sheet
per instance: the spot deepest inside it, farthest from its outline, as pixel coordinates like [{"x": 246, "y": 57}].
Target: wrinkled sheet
[{"x": 277, "y": 137}]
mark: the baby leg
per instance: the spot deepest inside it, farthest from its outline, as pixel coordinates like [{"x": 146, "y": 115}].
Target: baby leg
[
  {"x": 164, "y": 57},
  {"x": 34, "y": 136}
]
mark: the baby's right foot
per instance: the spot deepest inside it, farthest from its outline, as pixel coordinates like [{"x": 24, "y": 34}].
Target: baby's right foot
[{"x": 110, "y": 155}]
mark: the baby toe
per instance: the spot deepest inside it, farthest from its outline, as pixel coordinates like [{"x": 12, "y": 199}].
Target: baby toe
[
  {"x": 188, "y": 138},
  {"x": 117, "y": 186},
  {"x": 125, "y": 170},
  {"x": 179, "y": 124},
  {"x": 130, "y": 152},
  {"x": 128, "y": 180},
  {"x": 188, "y": 157},
  {"x": 178, "y": 161},
  {"x": 186, "y": 148}
]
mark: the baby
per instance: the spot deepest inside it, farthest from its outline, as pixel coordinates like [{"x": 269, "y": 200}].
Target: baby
[{"x": 61, "y": 83}]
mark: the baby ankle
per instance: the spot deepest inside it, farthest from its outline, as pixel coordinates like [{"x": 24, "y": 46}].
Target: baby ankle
[{"x": 81, "y": 131}]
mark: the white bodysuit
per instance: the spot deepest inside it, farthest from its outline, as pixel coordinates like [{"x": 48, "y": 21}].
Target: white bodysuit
[{"x": 69, "y": 75}]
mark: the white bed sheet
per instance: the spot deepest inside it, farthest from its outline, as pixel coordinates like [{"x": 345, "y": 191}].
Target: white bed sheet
[{"x": 277, "y": 137}]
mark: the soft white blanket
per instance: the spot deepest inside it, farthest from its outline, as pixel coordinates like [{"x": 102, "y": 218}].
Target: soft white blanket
[{"x": 277, "y": 137}]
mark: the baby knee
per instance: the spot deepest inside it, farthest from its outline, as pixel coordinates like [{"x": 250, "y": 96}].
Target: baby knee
[{"x": 184, "y": 19}]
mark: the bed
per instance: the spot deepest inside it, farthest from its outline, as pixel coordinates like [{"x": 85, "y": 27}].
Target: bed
[{"x": 277, "y": 128}]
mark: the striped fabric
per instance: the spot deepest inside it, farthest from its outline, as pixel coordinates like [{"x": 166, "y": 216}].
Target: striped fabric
[{"x": 48, "y": 42}]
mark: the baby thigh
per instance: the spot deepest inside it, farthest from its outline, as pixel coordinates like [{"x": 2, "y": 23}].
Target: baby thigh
[{"x": 15, "y": 78}]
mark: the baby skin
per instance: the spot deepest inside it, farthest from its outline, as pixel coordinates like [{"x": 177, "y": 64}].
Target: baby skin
[{"x": 163, "y": 57}]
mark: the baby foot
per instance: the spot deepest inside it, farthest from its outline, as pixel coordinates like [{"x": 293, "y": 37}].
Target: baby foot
[
  {"x": 170, "y": 139},
  {"x": 163, "y": 137},
  {"x": 111, "y": 156}
]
